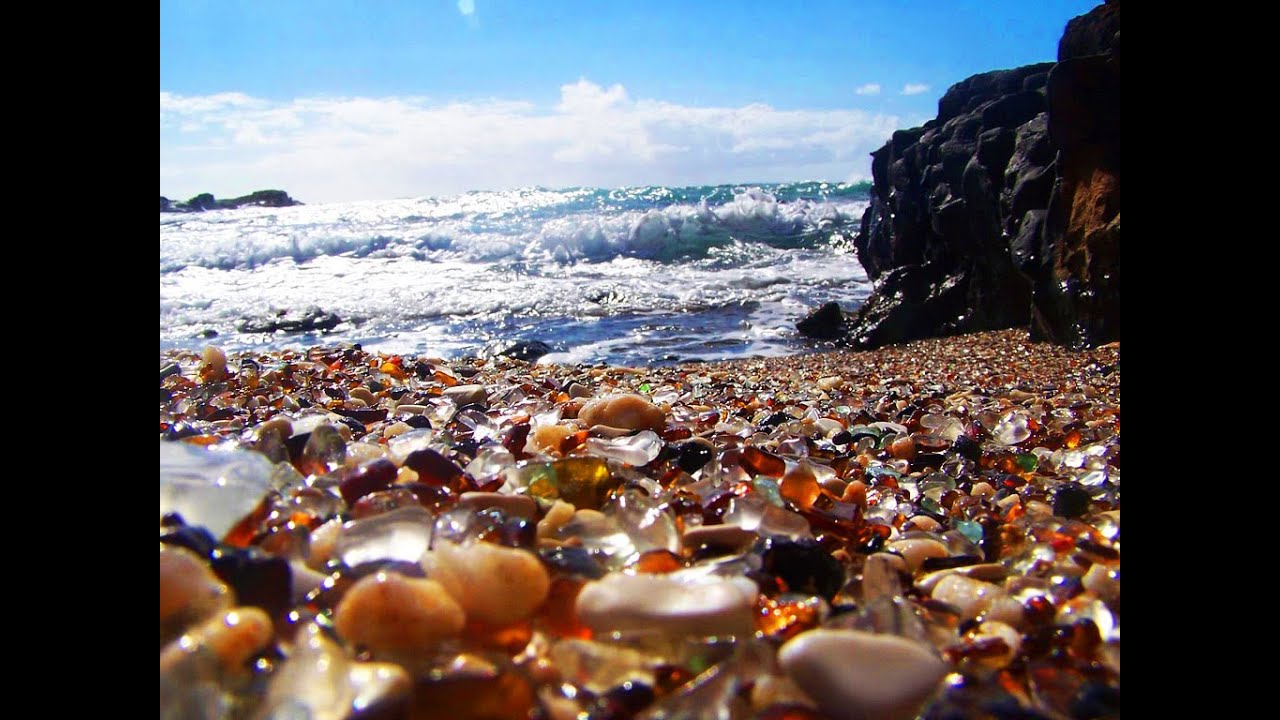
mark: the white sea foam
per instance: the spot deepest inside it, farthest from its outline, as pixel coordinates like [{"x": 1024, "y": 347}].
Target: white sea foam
[{"x": 600, "y": 275}]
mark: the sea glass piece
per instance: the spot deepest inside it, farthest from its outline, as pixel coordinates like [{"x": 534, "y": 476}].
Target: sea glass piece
[
  {"x": 312, "y": 683},
  {"x": 1012, "y": 428},
  {"x": 761, "y": 462},
  {"x": 211, "y": 488},
  {"x": 583, "y": 481},
  {"x": 647, "y": 523},
  {"x": 402, "y": 445},
  {"x": 489, "y": 462},
  {"x": 597, "y": 666},
  {"x": 400, "y": 534},
  {"x": 639, "y": 449}
]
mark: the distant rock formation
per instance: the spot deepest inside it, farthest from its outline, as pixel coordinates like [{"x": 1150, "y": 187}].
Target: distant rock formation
[
  {"x": 1004, "y": 211},
  {"x": 206, "y": 201}
]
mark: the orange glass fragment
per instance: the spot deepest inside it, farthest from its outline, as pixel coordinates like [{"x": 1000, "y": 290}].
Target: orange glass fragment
[{"x": 657, "y": 562}]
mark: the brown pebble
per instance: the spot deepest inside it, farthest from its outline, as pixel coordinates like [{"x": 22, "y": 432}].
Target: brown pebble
[
  {"x": 494, "y": 585},
  {"x": 547, "y": 438},
  {"x": 631, "y": 411},
  {"x": 189, "y": 591},
  {"x": 390, "y": 613}
]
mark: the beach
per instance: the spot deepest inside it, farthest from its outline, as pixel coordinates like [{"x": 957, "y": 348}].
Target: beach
[{"x": 927, "y": 529}]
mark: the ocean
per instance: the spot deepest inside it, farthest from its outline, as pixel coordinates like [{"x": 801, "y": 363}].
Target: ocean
[{"x": 634, "y": 276}]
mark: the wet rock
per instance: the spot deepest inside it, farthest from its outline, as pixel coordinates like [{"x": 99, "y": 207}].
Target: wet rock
[
  {"x": 824, "y": 323},
  {"x": 526, "y": 350},
  {"x": 292, "y": 321},
  {"x": 916, "y": 550}
]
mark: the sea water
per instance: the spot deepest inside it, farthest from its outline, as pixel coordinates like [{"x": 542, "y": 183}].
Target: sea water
[{"x": 634, "y": 276}]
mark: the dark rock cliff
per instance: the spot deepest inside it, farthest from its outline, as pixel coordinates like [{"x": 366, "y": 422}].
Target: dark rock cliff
[{"x": 1004, "y": 210}]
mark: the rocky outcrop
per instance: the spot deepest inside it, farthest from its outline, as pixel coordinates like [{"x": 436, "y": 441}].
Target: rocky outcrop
[
  {"x": 206, "y": 201},
  {"x": 1004, "y": 210},
  {"x": 934, "y": 235},
  {"x": 1076, "y": 296}
]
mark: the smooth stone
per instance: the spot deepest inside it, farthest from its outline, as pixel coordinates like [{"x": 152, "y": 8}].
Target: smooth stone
[
  {"x": 722, "y": 536},
  {"x": 608, "y": 431},
  {"x": 658, "y": 603},
  {"x": 971, "y": 597},
  {"x": 925, "y": 523},
  {"x": 1004, "y": 631},
  {"x": 411, "y": 409},
  {"x": 467, "y": 395},
  {"x": 390, "y": 613},
  {"x": 577, "y": 391},
  {"x": 521, "y": 506},
  {"x": 232, "y": 637},
  {"x": 324, "y": 540},
  {"x": 557, "y": 517},
  {"x": 548, "y": 438},
  {"x": 855, "y": 675},
  {"x": 916, "y": 550},
  {"x": 982, "y": 490},
  {"x": 633, "y": 412},
  {"x": 213, "y": 364},
  {"x": 1101, "y": 582},
  {"x": 189, "y": 590},
  {"x": 495, "y": 585},
  {"x": 830, "y": 382},
  {"x": 989, "y": 572},
  {"x": 363, "y": 394}
]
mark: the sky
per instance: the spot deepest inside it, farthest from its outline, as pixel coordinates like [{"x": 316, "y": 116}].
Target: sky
[{"x": 351, "y": 100}]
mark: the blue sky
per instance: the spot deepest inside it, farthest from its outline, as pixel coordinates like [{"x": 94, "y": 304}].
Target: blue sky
[{"x": 368, "y": 100}]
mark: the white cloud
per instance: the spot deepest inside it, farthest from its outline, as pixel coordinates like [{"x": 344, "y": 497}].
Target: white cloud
[
  {"x": 869, "y": 89},
  {"x": 914, "y": 88},
  {"x": 467, "y": 7},
  {"x": 324, "y": 149}
]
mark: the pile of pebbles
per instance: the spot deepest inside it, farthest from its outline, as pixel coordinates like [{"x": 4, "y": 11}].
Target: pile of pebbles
[{"x": 929, "y": 530}]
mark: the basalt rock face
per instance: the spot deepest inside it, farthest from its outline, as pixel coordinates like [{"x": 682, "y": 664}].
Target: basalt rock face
[
  {"x": 1077, "y": 281},
  {"x": 934, "y": 234},
  {"x": 1004, "y": 210}
]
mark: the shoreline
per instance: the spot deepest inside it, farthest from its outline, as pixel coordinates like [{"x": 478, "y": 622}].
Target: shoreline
[{"x": 953, "y": 502}]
